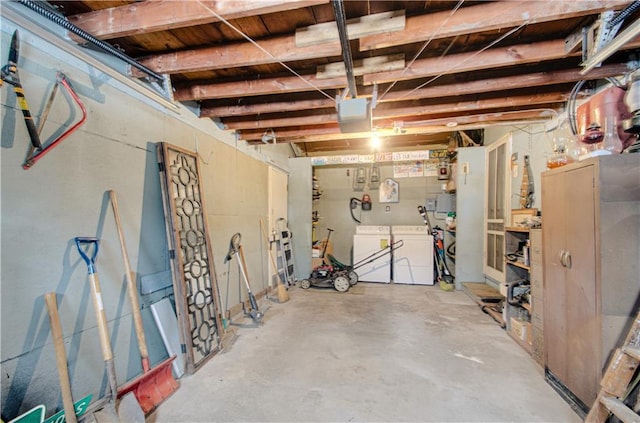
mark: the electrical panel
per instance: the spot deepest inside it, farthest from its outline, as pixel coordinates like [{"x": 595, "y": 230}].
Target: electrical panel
[
  {"x": 445, "y": 203},
  {"x": 430, "y": 204}
]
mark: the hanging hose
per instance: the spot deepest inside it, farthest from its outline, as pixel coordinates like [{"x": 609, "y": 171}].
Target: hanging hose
[{"x": 63, "y": 22}]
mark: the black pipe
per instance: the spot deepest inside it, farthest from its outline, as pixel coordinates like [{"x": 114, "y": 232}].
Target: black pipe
[
  {"x": 63, "y": 22},
  {"x": 341, "y": 21}
]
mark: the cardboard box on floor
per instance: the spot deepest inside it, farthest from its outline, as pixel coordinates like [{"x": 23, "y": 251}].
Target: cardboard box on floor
[{"x": 318, "y": 248}]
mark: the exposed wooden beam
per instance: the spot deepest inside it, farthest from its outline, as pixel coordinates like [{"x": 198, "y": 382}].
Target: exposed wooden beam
[
  {"x": 361, "y": 67},
  {"x": 268, "y": 123},
  {"x": 258, "y": 109},
  {"x": 152, "y": 16},
  {"x": 284, "y": 48},
  {"x": 466, "y": 62},
  {"x": 463, "y": 106},
  {"x": 489, "y": 59},
  {"x": 356, "y": 28},
  {"x": 446, "y": 90},
  {"x": 536, "y": 79},
  {"x": 434, "y": 126},
  {"x": 283, "y": 133},
  {"x": 485, "y": 17},
  {"x": 485, "y": 119},
  {"x": 274, "y": 50},
  {"x": 256, "y": 87}
]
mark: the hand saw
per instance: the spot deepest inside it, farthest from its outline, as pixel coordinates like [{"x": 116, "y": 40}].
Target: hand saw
[{"x": 9, "y": 74}]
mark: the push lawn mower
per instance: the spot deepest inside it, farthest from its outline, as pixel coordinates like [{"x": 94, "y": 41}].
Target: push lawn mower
[{"x": 341, "y": 276}]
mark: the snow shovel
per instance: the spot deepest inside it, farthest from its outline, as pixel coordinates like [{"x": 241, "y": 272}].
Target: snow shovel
[
  {"x": 128, "y": 409},
  {"x": 157, "y": 384}
]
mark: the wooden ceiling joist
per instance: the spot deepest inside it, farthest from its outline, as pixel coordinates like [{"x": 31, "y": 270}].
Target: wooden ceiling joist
[
  {"x": 493, "y": 58},
  {"x": 466, "y": 106},
  {"x": 485, "y": 17},
  {"x": 273, "y": 50},
  {"x": 259, "y": 109},
  {"x": 536, "y": 79},
  {"x": 426, "y": 110},
  {"x": 152, "y": 16},
  {"x": 284, "y": 48},
  {"x": 446, "y": 90},
  {"x": 256, "y": 87},
  {"x": 496, "y": 57}
]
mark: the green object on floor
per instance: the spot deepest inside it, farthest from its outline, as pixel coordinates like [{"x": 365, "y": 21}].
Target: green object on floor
[{"x": 445, "y": 286}]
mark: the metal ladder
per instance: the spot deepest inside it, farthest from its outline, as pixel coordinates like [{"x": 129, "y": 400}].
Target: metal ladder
[
  {"x": 285, "y": 252},
  {"x": 616, "y": 380}
]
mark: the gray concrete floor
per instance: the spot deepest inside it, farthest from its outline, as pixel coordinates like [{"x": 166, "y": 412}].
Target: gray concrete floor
[{"x": 384, "y": 353}]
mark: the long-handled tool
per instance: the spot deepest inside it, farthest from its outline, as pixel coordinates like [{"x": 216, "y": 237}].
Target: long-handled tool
[
  {"x": 9, "y": 74},
  {"x": 127, "y": 410},
  {"x": 443, "y": 274},
  {"x": 235, "y": 249},
  {"x": 61, "y": 357},
  {"x": 283, "y": 295},
  {"x": 157, "y": 384}
]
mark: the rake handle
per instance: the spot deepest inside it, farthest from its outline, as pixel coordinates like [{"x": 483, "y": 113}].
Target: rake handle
[{"x": 131, "y": 287}]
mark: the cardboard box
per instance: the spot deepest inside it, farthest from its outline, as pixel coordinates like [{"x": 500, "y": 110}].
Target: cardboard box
[{"x": 521, "y": 330}]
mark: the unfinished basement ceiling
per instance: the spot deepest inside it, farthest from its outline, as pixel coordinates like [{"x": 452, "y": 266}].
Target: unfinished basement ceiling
[{"x": 429, "y": 68}]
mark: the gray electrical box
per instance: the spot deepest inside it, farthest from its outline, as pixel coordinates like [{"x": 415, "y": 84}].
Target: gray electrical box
[
  {"x": 445, "y": 203},
  {"x": 430, "y": 204}
]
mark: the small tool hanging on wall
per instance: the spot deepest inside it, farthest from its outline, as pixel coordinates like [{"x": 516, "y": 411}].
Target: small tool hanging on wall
[
  {"x": 526, "y": 188},
  {"x": 9, "y": 74}
]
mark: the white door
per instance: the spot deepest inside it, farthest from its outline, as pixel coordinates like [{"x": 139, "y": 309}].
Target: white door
[{"x": 496, "y": 215}]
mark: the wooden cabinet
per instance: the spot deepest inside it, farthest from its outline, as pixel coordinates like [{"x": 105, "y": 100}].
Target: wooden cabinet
[{"x": 591, "y": 232}]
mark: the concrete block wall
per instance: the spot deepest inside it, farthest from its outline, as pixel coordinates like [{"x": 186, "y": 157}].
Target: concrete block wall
[{"x": 65, "y": 195}]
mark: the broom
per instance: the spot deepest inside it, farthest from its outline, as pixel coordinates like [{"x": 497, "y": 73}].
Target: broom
[{"x": 283, "y": 295}]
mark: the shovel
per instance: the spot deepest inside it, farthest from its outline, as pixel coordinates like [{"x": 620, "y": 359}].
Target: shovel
[
  {"x": 157, "y": 384},
  {"x": 128, "y": 409}
]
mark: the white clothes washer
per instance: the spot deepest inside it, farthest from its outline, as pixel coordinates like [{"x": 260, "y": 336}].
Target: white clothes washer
[
  {"x": 367, "y": 241},
  {"x": 413, "y": 261}
]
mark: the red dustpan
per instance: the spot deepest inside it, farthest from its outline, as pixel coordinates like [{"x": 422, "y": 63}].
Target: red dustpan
[{"x": 157, "y": 384}]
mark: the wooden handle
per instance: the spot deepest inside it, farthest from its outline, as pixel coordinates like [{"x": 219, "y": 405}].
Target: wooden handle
[
  {"x": 101, "y": 317},
  {"x": 131, "y": 286},
  {"x": 273, "y": 261},
  {"x": 61, "y": 357}
]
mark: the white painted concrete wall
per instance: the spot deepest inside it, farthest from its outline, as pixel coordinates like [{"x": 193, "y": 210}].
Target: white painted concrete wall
[
  {"x": 337, "y": 189},
  {"x": 65, "y": 195}
]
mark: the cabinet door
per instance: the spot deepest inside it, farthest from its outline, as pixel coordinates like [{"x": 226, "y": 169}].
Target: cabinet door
[
  {"x": 571, "y": 335},
  {"x": 555, "y": 295},
  {"x": 583, "y": 336}
]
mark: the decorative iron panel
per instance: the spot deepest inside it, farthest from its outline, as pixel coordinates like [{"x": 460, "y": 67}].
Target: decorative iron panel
[{"x": 194, "y": 280}]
